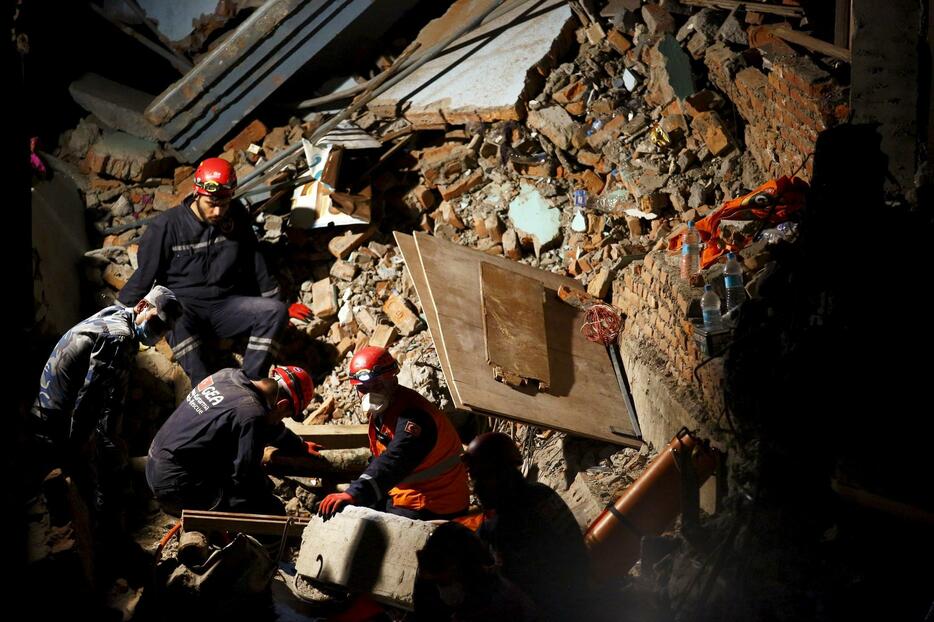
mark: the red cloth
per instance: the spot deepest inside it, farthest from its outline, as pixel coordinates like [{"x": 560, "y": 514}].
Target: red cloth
[{"x": 782, "y": 197}]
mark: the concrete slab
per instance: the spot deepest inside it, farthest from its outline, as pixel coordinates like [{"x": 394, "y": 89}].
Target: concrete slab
[
  {"x": 117, "y": 105},
  {"x": 366, "y": 551},
  {"x": 486, "y": 74}
]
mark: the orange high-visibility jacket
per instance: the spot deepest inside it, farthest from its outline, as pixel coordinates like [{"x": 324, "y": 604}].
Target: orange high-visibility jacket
[{"x": 439, "y": 483}]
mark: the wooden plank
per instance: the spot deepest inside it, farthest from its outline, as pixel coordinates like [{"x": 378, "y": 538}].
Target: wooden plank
[
  {"x": 841, "y": 24},
  {"x": 752, "y": 7},
  {"x": 584, "y": 397},
  {"x": 413, "y": 262},
  {"x": 812, "y": 43},
  {"x": 332, "y": 436},
  {"x": 514, "y": 326},
  {"x": 253, "y": 524}
]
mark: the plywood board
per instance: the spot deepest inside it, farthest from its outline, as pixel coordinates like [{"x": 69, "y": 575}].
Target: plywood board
[
  {"x": 584, "y": 397},
  {"x": 413, "y": 262},
  {"x": 514, "y": 326}
]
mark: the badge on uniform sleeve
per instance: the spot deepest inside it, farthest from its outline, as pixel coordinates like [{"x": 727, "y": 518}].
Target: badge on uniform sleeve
[{"x": 413, "y": 428}]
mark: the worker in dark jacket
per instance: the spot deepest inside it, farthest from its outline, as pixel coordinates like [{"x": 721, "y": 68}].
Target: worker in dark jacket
[
  {"x": 206, "y": 252},
  {"x": 75, "y": 421},
  {"x": 208, "y": 454},
  {"x": 534, "y": 537},
  {"x": 416, "y": 469}
]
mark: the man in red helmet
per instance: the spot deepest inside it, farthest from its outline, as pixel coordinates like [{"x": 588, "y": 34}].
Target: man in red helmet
[
  {"x": 206, "y": 252},
  {"x": 416, "y": 469},
  {"x": 208, "y": 453}
]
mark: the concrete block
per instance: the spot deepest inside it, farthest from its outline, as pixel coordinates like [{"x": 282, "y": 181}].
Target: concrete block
[
  {"x": 555, "y": 124},
  {"x": 366, "y": 551}
]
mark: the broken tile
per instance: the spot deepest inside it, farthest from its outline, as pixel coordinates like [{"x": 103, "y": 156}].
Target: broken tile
[{"x": 535, "y": 218}]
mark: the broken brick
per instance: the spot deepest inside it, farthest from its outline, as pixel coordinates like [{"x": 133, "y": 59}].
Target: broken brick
[
  {"x": 710, "y": 127},
  {"x": 397, "y": 309},
  {"x": 323, "y": 298},
  {"x": 618, "y": 41},
  {"x": 383, "y": 336},
  {"x": 657, "y": 19},
  {"x": 252, "y": 133},
  {"x": 462, "y": 185}
]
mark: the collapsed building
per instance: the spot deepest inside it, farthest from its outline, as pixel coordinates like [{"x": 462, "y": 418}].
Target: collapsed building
[{"x": 508, "y": 169}]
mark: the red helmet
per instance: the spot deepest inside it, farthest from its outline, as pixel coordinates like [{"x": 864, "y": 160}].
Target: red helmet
[
  {"x": 215, "y": 177},
  {"x": 493, "y": 449},
  {"x": 370, "y": 363},
  {"x": 299, "y": 385}
]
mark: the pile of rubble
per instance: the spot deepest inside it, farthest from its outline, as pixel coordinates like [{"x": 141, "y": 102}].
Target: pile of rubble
[{"x": 625, "y": 142}]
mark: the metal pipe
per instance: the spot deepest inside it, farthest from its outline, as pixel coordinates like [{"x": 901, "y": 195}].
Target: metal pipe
[{"x": 646, "y": 508}]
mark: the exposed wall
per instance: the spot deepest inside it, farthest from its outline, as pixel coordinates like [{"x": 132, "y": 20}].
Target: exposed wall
[{"x": 784, "y": 106}]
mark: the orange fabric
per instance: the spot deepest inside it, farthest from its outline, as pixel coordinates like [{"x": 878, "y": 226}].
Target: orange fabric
[
  {"x": 785, "y": 196},
  {"x": 445, "y": 493},
  {"x": 471, "y": 521}
]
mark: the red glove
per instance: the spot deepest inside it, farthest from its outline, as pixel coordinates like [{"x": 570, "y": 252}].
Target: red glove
[
  {"x": 312, "y": 448},
  {"x": 333, "y": 503},
  {"x": 301, "y": 312}
]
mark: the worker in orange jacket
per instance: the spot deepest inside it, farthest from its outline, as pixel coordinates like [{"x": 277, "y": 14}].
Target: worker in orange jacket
[{"x": 416, "y": 469}]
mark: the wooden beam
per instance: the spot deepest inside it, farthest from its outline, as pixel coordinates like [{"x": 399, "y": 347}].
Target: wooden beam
[
  {"x": 253, "y": 524},
  {"x": 751, "y": 7},
  {"x": 841, "y": 25},
  {"x": 332, "y": 436},
  {"x": 812, "y": 43}
]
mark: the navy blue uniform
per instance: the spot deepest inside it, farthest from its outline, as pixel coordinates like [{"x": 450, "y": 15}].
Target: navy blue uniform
[
  {"x": 75, "y": 420},
  {"x": 221, "y": 279},
  {"x": 208, "y": 454},
  {"x": 406, "y": 449}
]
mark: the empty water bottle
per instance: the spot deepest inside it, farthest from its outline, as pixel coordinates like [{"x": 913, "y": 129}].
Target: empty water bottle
[
  {"x": 733, "y": 282},
  {"x": 690, "y": 252},
  {"x": 710, "y": 308}
]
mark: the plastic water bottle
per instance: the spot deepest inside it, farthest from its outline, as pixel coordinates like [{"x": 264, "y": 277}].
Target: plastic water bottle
[
  {"x": 690, "y": 252},
  {"x": 733, "y": 282},
  {"x": 710, "y": 307}
]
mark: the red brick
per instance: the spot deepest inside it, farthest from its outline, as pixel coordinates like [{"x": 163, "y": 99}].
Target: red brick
[{"x": 618, "y": 41}]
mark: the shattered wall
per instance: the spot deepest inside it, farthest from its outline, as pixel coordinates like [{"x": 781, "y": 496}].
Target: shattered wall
[{"x": 786, "y": 101}]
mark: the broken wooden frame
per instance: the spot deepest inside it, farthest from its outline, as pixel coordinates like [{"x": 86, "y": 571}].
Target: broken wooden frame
[
  {"x": 584, "y": 397},
  {"x": 207, "y": 521}
]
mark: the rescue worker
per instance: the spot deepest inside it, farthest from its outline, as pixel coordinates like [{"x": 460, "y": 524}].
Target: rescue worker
[
  {"x": 208, "y": 454},
  {"x": 416, "y": 469},
  {"x": 455, "y": 567},
  {"x": 206, "y": 252},
  {"x": 75, "y": 421},
  {"x": 529, "y": 528}
]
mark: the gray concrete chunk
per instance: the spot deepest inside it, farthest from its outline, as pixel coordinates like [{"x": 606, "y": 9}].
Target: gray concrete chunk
[{"x": 363, "y": 550}]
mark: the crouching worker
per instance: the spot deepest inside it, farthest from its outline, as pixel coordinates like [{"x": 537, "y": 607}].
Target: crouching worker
[
  {"x": 458, "y": 581},
  {"x": 416, "y": 469},
  {"x": 76, "y": 419},
  {"x": 208, "y": 454}
]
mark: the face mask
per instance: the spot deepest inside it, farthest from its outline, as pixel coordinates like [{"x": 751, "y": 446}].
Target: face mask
[
  {"x": 451, "y": 595},
  {"x": 374, "y": 403},
  {"x": 147, "y": 334}
]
